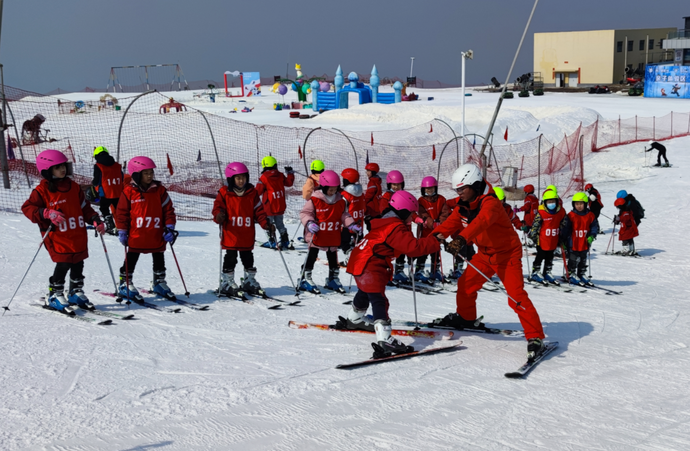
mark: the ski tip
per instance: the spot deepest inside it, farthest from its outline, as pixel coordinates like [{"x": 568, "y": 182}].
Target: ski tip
[
  {"x": 275, "y": 307},
  {"x": 106, "y": 322}
]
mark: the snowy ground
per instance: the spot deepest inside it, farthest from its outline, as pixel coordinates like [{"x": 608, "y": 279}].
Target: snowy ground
[{"x": 236, "y": 377}]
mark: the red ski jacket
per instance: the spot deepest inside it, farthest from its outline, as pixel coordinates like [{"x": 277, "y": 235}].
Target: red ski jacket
[
  {"x": 371, "y": 260},
  {"x": 530, "y": 208},
  {"x": 628, "y": 226},
  {"x": 241, "y": 213},
  {"x": 271, "y": 188},
  {"x": 432, "y": 210},
  {"x": 144, "y": 214},
  {"x": 67, "y": 243},
  {"x": 372, "y": 197}
]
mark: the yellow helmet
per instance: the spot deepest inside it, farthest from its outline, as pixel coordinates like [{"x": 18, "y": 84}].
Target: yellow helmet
[
  {"x": 581, "y": 197},
  {"x": 268, "y": 162},
  {"x": 499, "y": 193},
  {"x": 317, "y": 165},
  {"x": 549, "y": 194},
  {"x": 98, "y": 150},
  {"x": 552, "y": 188}
]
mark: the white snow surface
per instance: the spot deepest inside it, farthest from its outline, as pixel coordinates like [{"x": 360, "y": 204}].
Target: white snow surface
[{"x": 236, "y": 377}]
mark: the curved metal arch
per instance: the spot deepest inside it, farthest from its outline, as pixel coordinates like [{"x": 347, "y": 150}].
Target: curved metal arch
[
  {"x": 440, "y": 157},
  {"x": 122, "y": 121},
  {"x": 304, "y": 148},
  {"x": 457, "y": 147},
  {"x": 213, "y": 139}
]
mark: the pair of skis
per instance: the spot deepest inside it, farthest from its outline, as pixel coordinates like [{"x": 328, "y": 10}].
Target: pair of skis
[
  {"x": 93, "y": 316},
  {"x": 445, "y": 334}
]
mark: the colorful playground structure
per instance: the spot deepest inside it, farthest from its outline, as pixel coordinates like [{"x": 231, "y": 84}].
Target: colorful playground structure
[{"x": 324, "y": 101}]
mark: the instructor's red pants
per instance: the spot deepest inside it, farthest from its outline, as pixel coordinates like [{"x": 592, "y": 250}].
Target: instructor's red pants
[{"x": 510, "y": 273}]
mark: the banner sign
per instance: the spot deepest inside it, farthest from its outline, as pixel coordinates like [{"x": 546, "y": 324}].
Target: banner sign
[{"x": 667, "y": 81}]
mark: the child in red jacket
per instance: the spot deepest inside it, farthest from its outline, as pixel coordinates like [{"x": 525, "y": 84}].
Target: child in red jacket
[
  {"x": 146, "y": 221},
  {"x": 372, "y": 196},
  {"x": 323, "y": 216},
  {"x": 271, "y": 188},
  {"x": 58, "y": 203},
  {"x": 579, "y": 231},
  {"x": 628, "y": 227},
  {"x": 433, "y": 210},
  {"x": 237, "y": 208},
  {"x": 545, "y": 232},
  {"x": 356, "y": 206},
  {"x": 370, "y": 264}
]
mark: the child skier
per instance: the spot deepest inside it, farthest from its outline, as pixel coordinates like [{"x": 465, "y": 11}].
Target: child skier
[
  {"x": 632, "y": 205},
  {"x": 271, "y": 188},
  {"x": 107, "y": 181},
  {"x": 370, "y": 264},
  {"x": 372, "y": 196},
  {"x": 530, "y": 207},
  {"x": 628, "y": 232},
  {"x": 509, "y": 210},
  {"x": 580, "y": 228},
  {"x": 433, "y": 211},
  {"x": 356, "y": 206},
  {"x": 546, "y": 233},
  {"x": 237, "y": 208},
  {"x": 323, "y": 216},
  {"x": 594, "y": 200},
  {"x": 317, "y": 167},
  {"x": 146, "y": 222},
  {"x": 59, "y": 203}
]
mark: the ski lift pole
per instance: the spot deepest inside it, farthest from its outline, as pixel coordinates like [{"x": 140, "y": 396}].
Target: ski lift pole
[{"x": 7, "y": 307}]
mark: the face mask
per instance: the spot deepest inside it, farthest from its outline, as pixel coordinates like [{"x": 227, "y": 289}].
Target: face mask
[{"x": 551, "y": 205}]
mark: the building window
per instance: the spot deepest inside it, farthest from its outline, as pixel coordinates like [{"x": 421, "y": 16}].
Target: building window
[
  {"x": 641, "y": 44},
  {"x": 651, "y": 44},
  {"x": 630, "y": 45},
  {"x": 661, "y": 43},
  {"x": 619, "y": 46}
]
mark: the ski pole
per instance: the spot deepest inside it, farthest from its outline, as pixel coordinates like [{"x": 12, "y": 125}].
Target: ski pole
[
  {"x": 613, "y": 232},
  {"x": 280, "y": 252},
  {"x": 304, "y": 264},
  {"x": 489, "y": 279},
  {"x": 565, "y": 265},
  {"x": 589, "y": 255},
  {"x": 414, "y": 291},
  {"x": 119, "y": 299},
  {"x": 292, "y": 241},
  {"x": 524, "y": 242},
  {"x": 349, "y": 289},
  {"x": 7, "y": 307},
  {"x": 220, "y": 259},
  {"x": 175, "y": 234},
  {"x": 107, "y": 258}
]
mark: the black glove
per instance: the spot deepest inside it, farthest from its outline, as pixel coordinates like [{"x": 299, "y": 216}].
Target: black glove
[
  {"x": 616, "y": 220},
  {"x": 288, "y": 169},
  {"x": 455, "y": 246}
]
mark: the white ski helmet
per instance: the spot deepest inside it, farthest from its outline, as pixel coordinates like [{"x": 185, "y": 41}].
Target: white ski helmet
[{"x": 466, "y": 175}]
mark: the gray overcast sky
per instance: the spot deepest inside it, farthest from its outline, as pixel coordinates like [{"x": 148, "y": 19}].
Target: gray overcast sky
[{"x": 73, "y": 43}]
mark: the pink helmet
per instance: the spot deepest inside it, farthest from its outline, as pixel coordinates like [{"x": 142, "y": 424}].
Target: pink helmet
[
  {"x": 49, "y": 158},
  {"x": 402, "y": 200},
  {"x": 235, "y": 168},
  {"x": 395, "y": 177},
  {"x": 329, "y": 178},
  {"x": 138, "y": 164},
  {"x": 429, "y": 182}
]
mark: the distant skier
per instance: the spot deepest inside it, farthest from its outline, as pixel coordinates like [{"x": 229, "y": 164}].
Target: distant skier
[
  {"x": 59, "y": 201},
  {"x": 662, "y": 152},
  {"x": 237, "y": 209},
  {"x": 356, "y": 206},
  {"x": 372, "y": 195},
  {"x": 579, "y": 230},
  {"x": 146, "y": 221},
  {"x": 370, "y": 264},
  {"x": 480, "y": 218},
  {"x": 271, "y": 187},
  {"x": 530, "y": 208}
]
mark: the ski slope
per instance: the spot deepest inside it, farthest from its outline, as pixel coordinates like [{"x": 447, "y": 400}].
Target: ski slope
[{"x": 236, "y": 377}]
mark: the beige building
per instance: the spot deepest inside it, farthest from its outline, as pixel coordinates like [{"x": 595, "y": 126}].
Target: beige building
[{"x": 597, "y": 57}]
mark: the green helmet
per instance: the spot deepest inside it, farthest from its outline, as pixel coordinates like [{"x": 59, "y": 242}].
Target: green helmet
[
  {"x": 580, "y": 197},
  {"x": 317, "y": 165},
  {"x": 549, "y": 194},
  {"x": 552, "y": 188},
  {"x": 499, "y": 193},
  {"x": 268, "y": 162},
  {"x": 98, "y": 150}
]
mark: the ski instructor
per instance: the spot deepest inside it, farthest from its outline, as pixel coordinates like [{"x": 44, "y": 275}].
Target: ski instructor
[
  {"x": 662, "y": 152},
  {"x": 479, "y": 218}
]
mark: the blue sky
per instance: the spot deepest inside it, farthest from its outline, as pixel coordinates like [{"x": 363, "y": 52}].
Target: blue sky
[{"x": 46, "y": 44}]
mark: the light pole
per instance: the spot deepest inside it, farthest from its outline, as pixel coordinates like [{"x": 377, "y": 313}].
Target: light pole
[
  {"x": 465, "y": 55},
  {"x": 411, "y": 65}
]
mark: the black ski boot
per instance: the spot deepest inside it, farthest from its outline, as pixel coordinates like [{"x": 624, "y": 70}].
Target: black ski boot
[
  {"x": 387, "y": 345},
  {"x": 535, "y": 346},
  {"x": 458, "y": 322},
  {"x": 355, "y": 321}
]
